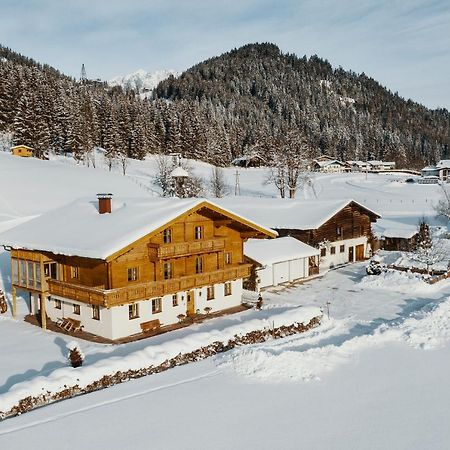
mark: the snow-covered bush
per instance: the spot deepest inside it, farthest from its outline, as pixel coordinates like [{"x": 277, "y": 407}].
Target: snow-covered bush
[{"x": 375, "y": 266}]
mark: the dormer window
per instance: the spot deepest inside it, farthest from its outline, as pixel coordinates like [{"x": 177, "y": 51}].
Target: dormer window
[{"x": 167, "y": 235}]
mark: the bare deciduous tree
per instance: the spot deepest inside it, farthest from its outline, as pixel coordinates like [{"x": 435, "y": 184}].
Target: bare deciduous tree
[
  {"x": 442, "y": 207},
  {"x": 217, "y": 183},
  {"x": 290, "y": 169}
]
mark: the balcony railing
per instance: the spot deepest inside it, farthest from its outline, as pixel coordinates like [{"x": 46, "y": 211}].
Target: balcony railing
[
  {"x": 143, "y": 291},
  {"x": 185, "y": 248}
]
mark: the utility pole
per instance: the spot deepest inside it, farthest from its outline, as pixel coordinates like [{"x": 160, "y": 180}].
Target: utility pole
[{"x": 237, "y": 186}]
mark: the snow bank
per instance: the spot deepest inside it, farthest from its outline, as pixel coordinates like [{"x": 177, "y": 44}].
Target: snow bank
[
  {"x": 429, "y": 330},
  {"x": 152, "y": 355}
]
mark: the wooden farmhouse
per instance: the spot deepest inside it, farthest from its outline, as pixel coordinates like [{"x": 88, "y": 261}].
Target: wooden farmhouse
[
  {"x": 340, "y": 229},
  {"x": 22, "y": 150},
  {"x": 279, "y": 261},
  {"x": 121, "y": 267}
]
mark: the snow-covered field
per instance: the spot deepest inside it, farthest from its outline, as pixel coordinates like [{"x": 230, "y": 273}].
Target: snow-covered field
[{"x": 372, "y": 376}]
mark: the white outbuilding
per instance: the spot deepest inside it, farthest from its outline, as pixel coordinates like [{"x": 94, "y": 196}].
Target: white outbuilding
[{"x": 281, "y": 260}]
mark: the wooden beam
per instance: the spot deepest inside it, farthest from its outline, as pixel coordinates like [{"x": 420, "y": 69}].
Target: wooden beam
[
  {"x": 14, "y": 302},
  {"x": 222, "y": 223},
  {"x": 43, "y": 311}
]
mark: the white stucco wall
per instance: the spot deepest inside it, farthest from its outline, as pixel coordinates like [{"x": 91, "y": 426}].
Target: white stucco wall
[
  {"x": 115, "y": 323},
  {"x": 330, "y": 261}
]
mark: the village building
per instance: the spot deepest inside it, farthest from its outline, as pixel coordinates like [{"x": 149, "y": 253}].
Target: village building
[
  {"x": 22, "y": 150},
  {"x": 340, "y": 229},
  {"x": 441, "y": 171},
  {"x": 371, "y": 166},
  {"x": 396, "y": 236},
  {"x": 278, "y": 261},
  {"x": 330, "y": 166},
  {"x": 120, "y": 267}
]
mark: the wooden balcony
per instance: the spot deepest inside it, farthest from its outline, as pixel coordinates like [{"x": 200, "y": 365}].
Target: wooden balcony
[
  {"x": 175, "y": 250},
  {"x": 143, "y": 291}
]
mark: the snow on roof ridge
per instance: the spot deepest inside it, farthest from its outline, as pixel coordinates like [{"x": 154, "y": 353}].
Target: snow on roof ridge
[
  {"x": 270, "y": 251},
  {"x": 77, "y": 229}
]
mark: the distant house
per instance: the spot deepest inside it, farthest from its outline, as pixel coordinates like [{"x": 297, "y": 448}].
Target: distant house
[
  {"x": 130, "y": 266},
  {"x": 371, "y": 166},
  {"x": 252, "y": 160},
  {"x": 278, "y": 261},
  {"x": 22, "y": 150},
  {"x": 330, "y": 166},
  {"x": 340, "y": 229},
  {"x": 441, "y": 170}
]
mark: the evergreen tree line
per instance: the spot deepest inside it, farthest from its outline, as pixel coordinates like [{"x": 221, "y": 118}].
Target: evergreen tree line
[{"x": 247, "y": 101}]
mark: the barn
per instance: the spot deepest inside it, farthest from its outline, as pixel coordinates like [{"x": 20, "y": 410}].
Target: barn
[
  {"x": 279, "y": 261},
  {"x": 340, "y": 229}
]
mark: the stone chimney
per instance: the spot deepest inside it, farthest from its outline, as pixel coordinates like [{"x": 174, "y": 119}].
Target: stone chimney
[{"x": 104, "y": 203}]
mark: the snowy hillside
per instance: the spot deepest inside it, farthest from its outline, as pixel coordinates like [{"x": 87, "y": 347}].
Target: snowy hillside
[
  {"x": 372, "y": 376},
  {"x": 142, "y": 81}
]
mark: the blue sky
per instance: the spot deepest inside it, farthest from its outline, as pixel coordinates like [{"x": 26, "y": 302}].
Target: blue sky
[{"x": 403, "y": 44}]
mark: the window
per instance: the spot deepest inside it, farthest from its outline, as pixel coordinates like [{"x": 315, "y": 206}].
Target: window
[
  {"x": 76, "y": 309},
  {"x": 342, "y": 248},
  {"x": 333, "y": 250},
  {"x": 199, "y": 264},
  {"x": 198, "y": 232},
  {"x": 323, "y": 252},
  {"x": 168, "y": 270},
  {"x": 227, "y": 257},
  {"x": 167, "y": 235},
  {"x": 156, "y": 305},
  {"x": 210, "y": 293},
  {"x": 51, "y": 271},
  {"x": 15, "y": 271},
  {"x": 133, "y": 273},
  {"x": 227, "y": 288},
  {"x": 57, "y": 304},
  {"x": 75, "y": 272},
  {"x": 96, "y": 312},
  {"x": 23, "y": 274},
  {"x": 174, "y": 300},
  {"x": 30, "y": 273},
  {"x": 133, "y": 311},
  {"x": 339, "y": 231}
]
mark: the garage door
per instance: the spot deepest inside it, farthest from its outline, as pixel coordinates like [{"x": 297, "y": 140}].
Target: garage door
[
  {"x": 296, "y": 269},
  {"x": 280, "y": 273}
]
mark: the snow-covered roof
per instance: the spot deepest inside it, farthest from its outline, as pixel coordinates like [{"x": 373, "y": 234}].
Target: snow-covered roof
[
  {"x": 270, "y": 251},
  {"x": 179, "y": 172},
  {"x": 328, "y": 163},
  {"x": 403, "y": 233},
  {"x": 429, "y": 168},
  {"x": 77, "y": 229},
  {"x": 443, "y": 164},
  {"x": 22, "y": 146},
  {"x": 389, "y": 228},
  {"x": 287, "y": 213}
]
